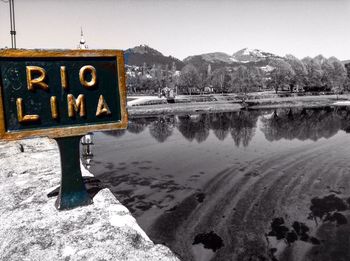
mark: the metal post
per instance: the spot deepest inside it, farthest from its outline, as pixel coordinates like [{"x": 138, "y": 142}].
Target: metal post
[
  {"x": 72, "y": 191},
  {"x": 12, "y": 24}
]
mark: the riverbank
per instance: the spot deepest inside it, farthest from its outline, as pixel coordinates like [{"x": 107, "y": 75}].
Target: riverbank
[
  {"x": 32, "y": 229},
  {"x": 224, "y": 103},
  {"x": 177, "y": 108}
]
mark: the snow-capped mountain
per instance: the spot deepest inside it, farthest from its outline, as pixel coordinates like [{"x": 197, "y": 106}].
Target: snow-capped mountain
[{"x": 247, "y": 55}]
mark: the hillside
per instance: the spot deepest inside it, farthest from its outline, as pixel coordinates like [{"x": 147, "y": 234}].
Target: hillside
[
  {"x": 144, "y": 54},
  {"x": 216, "y": 60},
  {"x": 246, "y": 57},
  {"x": 141, "y": 54}
]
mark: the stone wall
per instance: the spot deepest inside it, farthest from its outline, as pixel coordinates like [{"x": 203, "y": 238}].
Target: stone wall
[{"x": 32, "y": 229}]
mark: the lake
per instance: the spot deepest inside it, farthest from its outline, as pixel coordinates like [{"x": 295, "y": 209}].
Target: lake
[{"x": 247, "y": 185}]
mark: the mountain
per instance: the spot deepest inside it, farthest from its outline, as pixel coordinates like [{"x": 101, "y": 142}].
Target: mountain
[
  {"x": 247, "y": 57},
  {"x": 144, "y": 54},
  {"x": 212, "y": 57},
  {"x": 216, "y": 60}
]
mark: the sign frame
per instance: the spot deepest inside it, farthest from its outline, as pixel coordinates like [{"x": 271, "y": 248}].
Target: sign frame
[{"x": 67, "y": 131}]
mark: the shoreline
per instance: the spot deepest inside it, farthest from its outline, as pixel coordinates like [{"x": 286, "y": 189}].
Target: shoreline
[{"x": 234, "y": 105}]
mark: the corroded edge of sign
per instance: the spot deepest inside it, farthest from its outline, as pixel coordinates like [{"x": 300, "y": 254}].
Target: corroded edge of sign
[{"x": 67, "y": 131}]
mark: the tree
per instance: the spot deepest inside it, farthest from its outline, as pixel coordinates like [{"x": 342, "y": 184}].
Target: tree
[
  {"x": 328, "y": 71},
  {"x": 242, "y": 80},
  {"x": 300, "y": 72},
  {"x": 314, "y": 72},
  {"x": 132, "y": 81},
  {"x": 281, "y": 75},
  {"x": 339, "y": 75},
  {"x": 218, "y": 79},
  {"x": 325, "y": 73},
  {"x": 256, "y": 79},
  {"x": 189, "y": 77},
  {"x": 347, "y": 80},
  {"x": 148, "y": 84}
]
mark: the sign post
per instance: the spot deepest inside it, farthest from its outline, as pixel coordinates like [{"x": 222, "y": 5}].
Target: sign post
[{"x": 62, "y": 94}]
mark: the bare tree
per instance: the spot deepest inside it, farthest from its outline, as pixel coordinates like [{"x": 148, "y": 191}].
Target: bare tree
[{"x": 218, "y": 79}]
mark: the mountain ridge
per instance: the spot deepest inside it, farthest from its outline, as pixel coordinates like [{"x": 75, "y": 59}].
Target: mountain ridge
[{"x": 141, "y": 54}]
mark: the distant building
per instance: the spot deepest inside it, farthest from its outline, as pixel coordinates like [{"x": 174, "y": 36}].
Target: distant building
[
  {"x": 82, "y": 43},
  {"x": 208, "y": 89}
]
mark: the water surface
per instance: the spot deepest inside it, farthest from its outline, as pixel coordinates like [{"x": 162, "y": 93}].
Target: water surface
[{"x": 248, "y": 185}]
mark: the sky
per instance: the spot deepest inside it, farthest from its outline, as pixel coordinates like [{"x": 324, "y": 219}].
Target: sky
[{"x": 184, "y": 27}]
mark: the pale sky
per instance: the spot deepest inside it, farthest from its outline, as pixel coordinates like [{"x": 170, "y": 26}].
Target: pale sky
[{"x": 184, "y": 27}]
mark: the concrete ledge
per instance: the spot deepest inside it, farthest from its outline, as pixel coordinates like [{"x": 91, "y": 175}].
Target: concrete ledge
[{"x": 32, "y": 229}]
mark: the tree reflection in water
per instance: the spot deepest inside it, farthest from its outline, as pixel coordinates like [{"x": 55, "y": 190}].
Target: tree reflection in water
[
  {"x": 162, "y": 128},
  {"x": 296, "y": 123},
  {"x": 197, "y": 127},
  {"x": 303, "y": 124},
  {"x": 243, "y": 126},
  {"x": 220, "y": 124},
  {"x": 194, "y": 127},
  {"x": 137, "y": 125}
]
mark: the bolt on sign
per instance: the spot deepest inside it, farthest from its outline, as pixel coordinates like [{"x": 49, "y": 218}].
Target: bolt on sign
[{"x": 61, "y": 94}]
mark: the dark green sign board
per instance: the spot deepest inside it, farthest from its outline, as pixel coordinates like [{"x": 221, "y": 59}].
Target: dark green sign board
[{"x": 61, "y": 93}]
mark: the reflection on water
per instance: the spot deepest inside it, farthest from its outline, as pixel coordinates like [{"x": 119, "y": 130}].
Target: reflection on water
[
  {"x": 240, "y": 125},
  {"x": 247, "y": 185},
  {"x": 305, "y": 124},
  {"x": 279, "y": 124}
]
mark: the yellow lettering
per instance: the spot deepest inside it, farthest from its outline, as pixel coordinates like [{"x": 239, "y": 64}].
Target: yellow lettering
[
  {"x": 76, "y": 105},
  {"x": 54, "y": 108},
  {"x": 64, "y": 82},
  {"x": 102, "y": 107},
  {"x": 85, "y": 69},
  {"x": 20, "y": 113},
  {"x": 37, "y": 82},
  {"x": 92, "y": 71}
]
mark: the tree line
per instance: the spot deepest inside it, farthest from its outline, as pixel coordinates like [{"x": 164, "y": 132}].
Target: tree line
[{"x": 288, "y": 74}]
